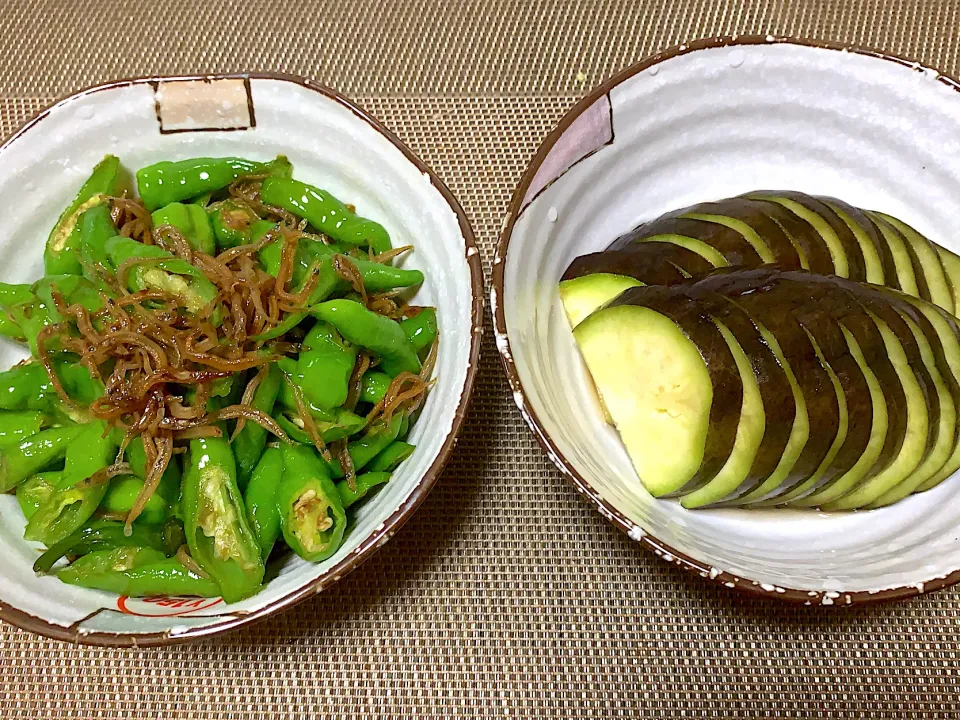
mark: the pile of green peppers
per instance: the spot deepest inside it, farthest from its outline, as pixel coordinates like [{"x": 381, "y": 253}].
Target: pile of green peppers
[{"x": 225, "y": 505}]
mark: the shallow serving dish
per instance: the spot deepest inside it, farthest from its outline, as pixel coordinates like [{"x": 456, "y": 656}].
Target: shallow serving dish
[
  {"x": 331, "y": 143},
  {"x": 704, "y": 122}
]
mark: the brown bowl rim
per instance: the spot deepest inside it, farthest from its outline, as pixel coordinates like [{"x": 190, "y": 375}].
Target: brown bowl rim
[
  {"x": 389, "y": 527},
  {"x": 607, "y": 509}
]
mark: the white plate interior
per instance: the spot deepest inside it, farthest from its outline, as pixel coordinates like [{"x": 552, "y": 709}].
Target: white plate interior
[
  {"x": 330, "y": 146},
  {"x": 703, "y": 126}
]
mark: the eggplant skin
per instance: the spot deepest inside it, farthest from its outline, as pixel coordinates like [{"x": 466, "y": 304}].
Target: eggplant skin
[{"x": 793, "y": 231}]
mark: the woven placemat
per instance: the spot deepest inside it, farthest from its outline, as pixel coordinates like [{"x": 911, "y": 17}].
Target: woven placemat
[{"x": 506, "y": 595}]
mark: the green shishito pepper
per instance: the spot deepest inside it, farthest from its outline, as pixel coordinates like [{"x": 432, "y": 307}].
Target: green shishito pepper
[
  {"x": 41, "y": 311},
  {"x": 63, "y": 250},
  {"x": 249, "y": 443},
  {"x": 421, "y": 329},
  {"x": 91, "y": 450},
  {"x": 192, "y": 222},
  {"x": 235, "y": 224},
  {"x": 374, "y": 386},
  {"x": 215, "y": 521},
  {"x": 363, "y": 485},
  {"x": 394, "y": 454},
  {"x": 136, "y": 572},
  {"x": 325, "y": 366},
  {"x": 260, "y": 499},
  {"x": 26, "y": 387},
  {"x": 167, "y": 182},
  {"x": 325, "y": 213},
  {"x": 17, "y": 425},
  {"x": 169, "y": 487},
  {"x": 33, "y": 454},
  {"x": 33, "y": 492},
  {"x": 122, "y": 495},
  {"x": 378, "y": 334},
  {"x": 12, "y": 295},
  {"x": 312, "y": 517},
  {"x": 96, "y": 227},
  {"x": 110, "y": 534},
  {"x": 164, "y": 272},
  {"x": 333, "y": 426},
  {"x": 377, "y": 277},
  {"x": 77, "y": 495}
]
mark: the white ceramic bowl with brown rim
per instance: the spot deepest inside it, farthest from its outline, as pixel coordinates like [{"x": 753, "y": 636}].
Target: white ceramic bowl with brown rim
[
  {"x": 332, "y": 143},
  {"x": 704, "y": 122}
]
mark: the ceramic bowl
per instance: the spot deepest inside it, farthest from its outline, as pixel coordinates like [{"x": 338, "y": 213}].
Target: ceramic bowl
[
  {"x": 704, "y": 122},
  {"x": 331, "y": 143}
]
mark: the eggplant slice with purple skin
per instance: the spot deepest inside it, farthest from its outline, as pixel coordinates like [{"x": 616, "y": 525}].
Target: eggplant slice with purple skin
[{"x": 755, "y": 346}]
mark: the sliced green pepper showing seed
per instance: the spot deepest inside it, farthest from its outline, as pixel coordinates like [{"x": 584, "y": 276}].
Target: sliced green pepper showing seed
[
  {"x": 109, "y": 534},
  {"x": 374, "y": 386},
  {"x": 235, "y": 224},
  {"x": 421, "y": 329},
  {"x": 249, "y": 443},
  {"x": 33, "y": 454},
  {"x": 122, "y": 494},
  {"x": 17, "y": 425},
  {"x": 325, "y": 365},
  {"x": 391, "y": 456},
  {"x": 260, "y": 499},
  {"x": 26, "y": 387},
  {"x": 376, "y": 333},
  {"x": 192, "y": 222},
  {"x": 64, "y": 512},
  {"x": 164, "y": 271},
  {"x": 215, "y": 521},
  {"x": 34, "y": 491},
  {"x": 312, "y": 517},
  {"x": 363, "y": 486},
  {"x": 136, "y": 572},
  {"x": 166, "y": 182},
  {"x": 96, "y": 227},
  {"x": 62, "y": 253},
  {"x": 325, "y": 213}
]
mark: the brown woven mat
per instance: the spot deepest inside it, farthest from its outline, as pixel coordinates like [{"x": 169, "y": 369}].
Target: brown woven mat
[{"x": 506, "y": 595}]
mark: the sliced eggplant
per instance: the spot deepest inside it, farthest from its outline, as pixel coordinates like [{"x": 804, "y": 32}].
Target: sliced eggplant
[
  {"x": 657, "y": 388},
  {"x": 749, "y": 219},
  {"x": 847, "y": 260},
  {"x": 653, "y": 264},
  {"x": 877, "y": 260},
  {"x": 824, "y": 400},
  {"x": 733, "y": 247},
  {"x": 750, "y": 430},
  {"x": 951, "y": 267},
  {"x": 582, "y": 295},
  {"x": 771, "y": 382},
  {"x": 928, "y": 260},
  {"x": 949, "y": 332},
  {"x": 897, "y": 246},
  {"x": 813, "y": 251},
  {"x": 944, "y": 430},
  {"x": 724, "y": 375},
  {"x": 799, "y": 430}
]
